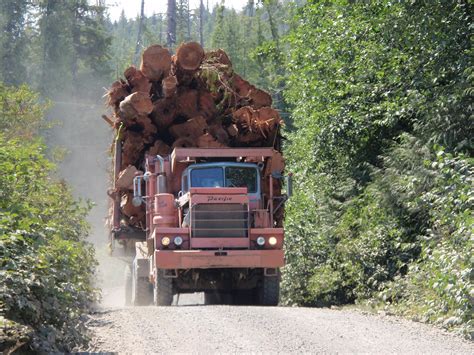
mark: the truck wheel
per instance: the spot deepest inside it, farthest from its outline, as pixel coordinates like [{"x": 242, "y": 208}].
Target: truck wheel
[
  {"x": 218, "y": 298},
  {"x": 243, "y": 297},
  {"x": 128, "y": 285},
  {"x": 211, "y": 298},
  {"x": 162, "y": 290},
  {"x": 269, "y": 292},
  {"x": 141, "y": 290}
]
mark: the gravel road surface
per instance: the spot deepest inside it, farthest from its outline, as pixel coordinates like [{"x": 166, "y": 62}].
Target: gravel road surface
[{"x": 195, "y": 328}]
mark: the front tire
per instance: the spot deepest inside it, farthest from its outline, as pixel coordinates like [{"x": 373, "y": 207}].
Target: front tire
[
  {"x": 162, "y": 290},
  {"x": 269, "y": 291}
]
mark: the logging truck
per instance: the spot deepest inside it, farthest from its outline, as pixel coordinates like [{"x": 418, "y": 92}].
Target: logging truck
[
  {"x": 213, "y": 225},
  {"x": 198, "y": 176}
]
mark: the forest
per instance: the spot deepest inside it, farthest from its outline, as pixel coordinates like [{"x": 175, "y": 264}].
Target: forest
[{"x": 377, "y": 102}]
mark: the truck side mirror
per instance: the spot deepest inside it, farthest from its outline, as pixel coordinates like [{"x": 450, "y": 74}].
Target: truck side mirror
[
  {"x": 137, "y": 191},
  {"x": 289, "y": 184}
]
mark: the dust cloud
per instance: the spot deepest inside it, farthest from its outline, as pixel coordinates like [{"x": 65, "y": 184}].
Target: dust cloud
[
  {"x": 86, "y": 167},
  {"x": 86, "y": 138}
]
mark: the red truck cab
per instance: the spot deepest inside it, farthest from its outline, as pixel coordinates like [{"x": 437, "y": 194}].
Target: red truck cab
[{"x": 213, "y": 225}]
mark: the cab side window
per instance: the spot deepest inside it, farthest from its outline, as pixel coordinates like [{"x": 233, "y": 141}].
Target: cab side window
[{"x": 185, "y": 183}]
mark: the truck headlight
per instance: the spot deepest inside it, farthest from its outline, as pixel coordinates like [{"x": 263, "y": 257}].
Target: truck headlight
[
  {"x": 165, "y": 241},
  {"x": 261, "y": 241},
  {"x": 178, "y": 241},
  {"x": 272, "y": 241}
]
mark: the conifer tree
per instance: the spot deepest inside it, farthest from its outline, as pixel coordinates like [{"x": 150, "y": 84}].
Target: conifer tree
[
  {"x": 13, "y": 42},
  {"x": 73, "y": 39},
  {"x": 171, "y": 13}
]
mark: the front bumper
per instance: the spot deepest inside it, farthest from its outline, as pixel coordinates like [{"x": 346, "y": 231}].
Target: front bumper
[{"x": 213, "y": 259}]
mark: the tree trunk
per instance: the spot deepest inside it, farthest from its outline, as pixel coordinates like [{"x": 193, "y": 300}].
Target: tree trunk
[
  {"x": 201, "y": 23},
  {"x": 164, "y": 113},
  {"x": 188, "y": 22},
  {"x": 139, "y": 36},
  {"x": 169, "y": 85},
  {"x": 189, "y": 56},
  {"x": 171, "y": 34},
  {"x": 156, "y": 62},
  {"x": 161, "y": 30},
  {"x": 138, "y": 103},
  {"x": 117, "y": 92},
  {"x": 137, "y": 80},
  {"x": 192, "y": 128}
]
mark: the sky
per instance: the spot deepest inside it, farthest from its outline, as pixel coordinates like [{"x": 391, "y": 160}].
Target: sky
[{"x": 132, "y": 7}]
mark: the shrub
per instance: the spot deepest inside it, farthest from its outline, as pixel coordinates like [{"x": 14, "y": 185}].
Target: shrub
[
  {"x": 382, "y": 215},
  {"x": 46, "y": 264}
]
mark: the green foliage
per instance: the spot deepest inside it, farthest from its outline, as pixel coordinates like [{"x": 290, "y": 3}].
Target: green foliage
[
  {"x": 59, "y": 47},
  {"x": 13, "y": 41},
  {"x": 438, "y": 287},
  {"x": 20, "y": 112},
  {"x": 123, "y": 46},
  {"x": 376, "y": 88},
  {"x": 46, "y": 265},
  {"x": 73, "y": 44},
  {"x": 217, "y": 38},
  {"x": 183, "y": 21}
]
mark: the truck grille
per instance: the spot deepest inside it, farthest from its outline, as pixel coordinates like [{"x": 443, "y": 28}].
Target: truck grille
[{"x": 219, "y": 220}]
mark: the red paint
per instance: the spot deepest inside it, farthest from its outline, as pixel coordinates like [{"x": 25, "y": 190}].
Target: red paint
[
  {"x": 219, "y": 243},
  {"x": 207, "y": 259},
  {"x": 166, "y": 214}
]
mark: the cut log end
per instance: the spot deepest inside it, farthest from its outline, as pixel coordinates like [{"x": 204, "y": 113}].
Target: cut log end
[
  {"x": 137, "y": 80},
  {"x": 259, "y": 98},
  {"x": 189, "y": 129},
  {"x": 189, "y": 56},
  {"x": 218, "y": 56},
  {"x": 156, "y": 62},
  {"x": 184, "y": 143},
  {"x": 117, "y": 92},
  {"x": 159, "y": 148},
  {"x": 164, "y": 113},
  {"x": 169, "y": 85},
  {"x": 136, "y": 104}
]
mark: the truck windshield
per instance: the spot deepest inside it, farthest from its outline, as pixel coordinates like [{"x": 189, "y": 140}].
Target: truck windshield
[
  {"x": 207, "y": 177},
  {"x": 235, "y": 176}
]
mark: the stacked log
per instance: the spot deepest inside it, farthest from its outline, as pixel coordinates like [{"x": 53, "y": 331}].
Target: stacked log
[{"x": 190, "y": 99}]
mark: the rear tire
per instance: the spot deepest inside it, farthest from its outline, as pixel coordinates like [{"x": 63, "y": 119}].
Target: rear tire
[
  {"x": 162, "y": 290},
  {"x": 269, "y": 291},
  {"x": 141, "y": 290},
  {"x": 218, "y": 298},
  {"x": 243, "y": 297}
]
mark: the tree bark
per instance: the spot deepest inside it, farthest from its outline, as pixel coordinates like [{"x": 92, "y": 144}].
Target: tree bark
[
  {"x": 190, "y": 56},
  {"x": 137, "y": 81},
  {"x": 139, "y": 35},
  {"x": 201, "y": 23},
  {"x": 169, "y": 85},
  {"x": 156, "y": 62},
  {"x": 171, "y": 34},
  {"x": 138, "y": 103}
]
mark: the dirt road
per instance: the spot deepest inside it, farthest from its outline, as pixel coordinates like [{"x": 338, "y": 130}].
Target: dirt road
[{"x": 224, "y": 329}]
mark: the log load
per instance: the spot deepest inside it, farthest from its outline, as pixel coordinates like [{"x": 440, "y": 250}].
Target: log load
[{"x": 190, "y": 99}]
